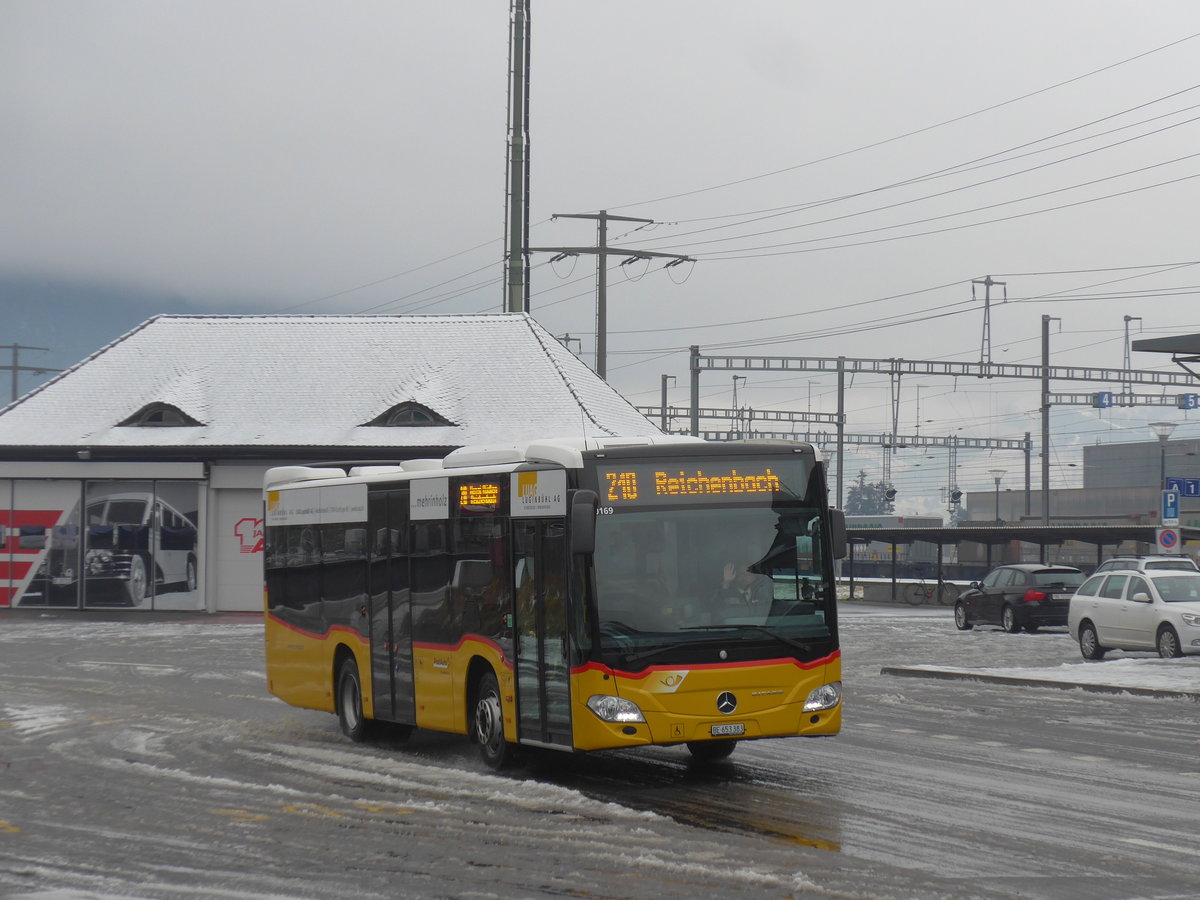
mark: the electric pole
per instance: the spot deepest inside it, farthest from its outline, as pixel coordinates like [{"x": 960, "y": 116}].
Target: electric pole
[
  {"x": 1045, "y": 410},
  {"x": 16, "y": 368},
  {"x": 516, "y": 220},
  {"x": 985, "y": 350},
  {"x": 601, "y": 252},
  {"x": 1127, "y": 388},
  {"x": 665, "y": 379}
]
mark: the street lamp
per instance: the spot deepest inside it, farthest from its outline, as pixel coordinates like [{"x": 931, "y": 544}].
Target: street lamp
[
  {"x": 997, "y": 474},
  {"x": 1162, "y": 431}
]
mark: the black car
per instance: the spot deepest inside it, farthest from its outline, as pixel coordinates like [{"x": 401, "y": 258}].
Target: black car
[{"x": 1026, "y": 596}]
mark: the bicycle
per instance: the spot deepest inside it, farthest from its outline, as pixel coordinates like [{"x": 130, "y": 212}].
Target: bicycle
[{"x": 922, "y": 591}]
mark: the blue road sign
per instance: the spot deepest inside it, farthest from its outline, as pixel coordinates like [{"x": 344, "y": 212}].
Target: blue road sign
[
  {"x": 1187, "y": 487},
  {"x": 1168, "y": 539},
  {"x": 1170, "y": 507}
]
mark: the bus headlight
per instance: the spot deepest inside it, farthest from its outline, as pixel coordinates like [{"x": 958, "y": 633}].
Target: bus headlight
[
  {"x": 614, "y": 709},
  {"x": 827, "y": 696},
  {"x": 98, "y": 562}
]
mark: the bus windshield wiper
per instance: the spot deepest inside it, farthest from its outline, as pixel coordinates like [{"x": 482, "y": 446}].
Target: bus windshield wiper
[
  {"x": 632, "y": 658},
  {"x": 797, "y": 645}
]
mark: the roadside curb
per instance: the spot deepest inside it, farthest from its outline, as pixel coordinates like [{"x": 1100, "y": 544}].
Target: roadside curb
[{"x": 967, "y": 675}]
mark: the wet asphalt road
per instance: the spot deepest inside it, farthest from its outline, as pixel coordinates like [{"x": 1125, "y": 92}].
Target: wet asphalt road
[{"x": 146, "y": 759}]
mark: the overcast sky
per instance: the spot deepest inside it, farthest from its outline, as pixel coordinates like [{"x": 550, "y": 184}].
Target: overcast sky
[{"x": 832, "y": 168}]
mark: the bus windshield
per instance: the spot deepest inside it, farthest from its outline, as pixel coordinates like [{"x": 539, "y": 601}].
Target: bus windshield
[{"x": 673, "y": 583}]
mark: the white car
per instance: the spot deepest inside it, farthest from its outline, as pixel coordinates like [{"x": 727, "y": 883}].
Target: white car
[
  {"x": 1137, "y": 611},
  {"x": 1155, "y": 563}
]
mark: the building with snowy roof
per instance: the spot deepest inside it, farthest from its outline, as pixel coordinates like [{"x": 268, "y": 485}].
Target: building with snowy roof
[{"x": 158, "y": 442}]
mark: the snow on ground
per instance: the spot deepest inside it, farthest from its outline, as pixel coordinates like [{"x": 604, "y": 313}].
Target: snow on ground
[
  {"x": 1050, "y": 657},
  {"x": 1180, "y": 676},
  {"x": 939, "y": 649}
]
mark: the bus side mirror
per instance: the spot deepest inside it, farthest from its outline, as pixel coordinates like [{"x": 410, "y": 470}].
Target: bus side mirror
[
  {"x": 837, "y": 533},
  {"x": 583, "y": 521}
]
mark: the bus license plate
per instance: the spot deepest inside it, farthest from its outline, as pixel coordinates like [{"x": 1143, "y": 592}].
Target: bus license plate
[{"x": 731, "y": 728}]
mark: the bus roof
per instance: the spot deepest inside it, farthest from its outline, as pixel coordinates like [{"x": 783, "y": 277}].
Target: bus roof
[{"x": 564, "y": 451}]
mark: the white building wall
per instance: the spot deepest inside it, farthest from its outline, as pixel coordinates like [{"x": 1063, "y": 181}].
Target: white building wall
[{"x": 235, "y": 539}]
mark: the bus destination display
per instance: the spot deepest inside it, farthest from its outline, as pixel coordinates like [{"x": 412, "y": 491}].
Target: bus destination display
[
  {"x": 707, "y": 481},
  {"x": 479, "y": 497}
]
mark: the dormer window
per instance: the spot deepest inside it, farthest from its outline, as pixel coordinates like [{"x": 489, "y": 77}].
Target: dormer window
[
  {"x": 160, "y": 415},
  {"x": 409, "y": 415}
]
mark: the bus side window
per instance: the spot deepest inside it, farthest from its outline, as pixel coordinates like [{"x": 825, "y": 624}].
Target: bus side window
[
  {"x": 275, "y": 563},
  {"x": 431, "y": 574}
]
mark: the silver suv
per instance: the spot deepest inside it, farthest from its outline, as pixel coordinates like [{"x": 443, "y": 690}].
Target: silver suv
[{"x": 1147, "y": 564}]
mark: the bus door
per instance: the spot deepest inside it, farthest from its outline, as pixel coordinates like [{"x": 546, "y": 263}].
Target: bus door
[
  {"x": 391, "y": 607},
  {"x": 542, "y": 651}
]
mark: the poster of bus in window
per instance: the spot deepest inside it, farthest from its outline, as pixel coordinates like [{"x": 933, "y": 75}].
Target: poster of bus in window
[{"x": 119, "y": 544}]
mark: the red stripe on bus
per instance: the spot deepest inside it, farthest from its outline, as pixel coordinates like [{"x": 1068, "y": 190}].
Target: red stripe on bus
[
  {"x": 315, "y": 635},
  {"x": 421, "y": 645},
  {"x": 650, "y": 670},
  {"x": 453, "y": 648}
]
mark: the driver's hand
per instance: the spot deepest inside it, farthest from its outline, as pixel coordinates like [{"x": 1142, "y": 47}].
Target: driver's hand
[{"x": 730, "y": 574}]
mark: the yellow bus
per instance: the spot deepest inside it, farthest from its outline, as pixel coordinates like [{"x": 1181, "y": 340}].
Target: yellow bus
[{"x": 567, "y": 594}]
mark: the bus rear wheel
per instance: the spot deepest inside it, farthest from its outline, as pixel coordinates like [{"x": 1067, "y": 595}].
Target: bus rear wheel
[
  {"x": 353, "y": 723},
  {"x": 488, "y": 726},
  {"x": 708, "y": 751}
]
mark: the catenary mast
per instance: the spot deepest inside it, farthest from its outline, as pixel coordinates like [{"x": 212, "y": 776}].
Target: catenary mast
[{"x": 516, "y": 220}]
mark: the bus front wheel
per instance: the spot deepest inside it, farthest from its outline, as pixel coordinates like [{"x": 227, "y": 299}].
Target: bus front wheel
[
  {"x": 489, "y": 725},
  {"x": 353, "y": 723}
]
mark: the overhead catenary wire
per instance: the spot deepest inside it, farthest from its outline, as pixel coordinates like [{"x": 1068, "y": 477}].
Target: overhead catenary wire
[
  {"x": 922, "y": 130},
  {"x": 993, "y": 159},
  {"x": 746, "y": 254},
  {"x": 871, "y": 145}
]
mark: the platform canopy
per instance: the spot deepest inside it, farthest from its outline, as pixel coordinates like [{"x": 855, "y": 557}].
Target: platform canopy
[
  {"x": 1183, "y": 347},
  {"x": 1045, "y": 535}
]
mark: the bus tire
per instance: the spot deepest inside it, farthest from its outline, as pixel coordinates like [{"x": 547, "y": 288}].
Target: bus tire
[
  {"x": 488, "y": 724},
  {"x": 709, "y": 751},
  {"x": 353, "y": 723}
]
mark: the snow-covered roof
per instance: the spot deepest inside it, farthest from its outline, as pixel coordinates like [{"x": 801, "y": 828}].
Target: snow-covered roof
[{"x": 286, "y": 381}]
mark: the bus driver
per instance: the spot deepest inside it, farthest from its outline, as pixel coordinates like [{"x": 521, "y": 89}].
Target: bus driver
[{"x": 743, "y": 592}]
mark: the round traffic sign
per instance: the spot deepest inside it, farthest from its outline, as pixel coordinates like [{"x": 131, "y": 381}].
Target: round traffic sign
[{"x": 1168, "y": 538}]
